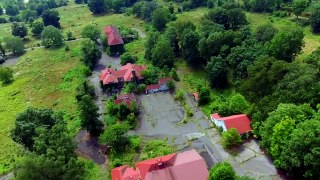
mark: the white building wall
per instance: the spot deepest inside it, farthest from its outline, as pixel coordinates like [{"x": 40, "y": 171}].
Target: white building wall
[{"x": 219, "y": 123}]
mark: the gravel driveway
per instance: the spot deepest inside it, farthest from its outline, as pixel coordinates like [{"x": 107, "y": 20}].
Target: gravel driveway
[{"x": 161, "y": 118}]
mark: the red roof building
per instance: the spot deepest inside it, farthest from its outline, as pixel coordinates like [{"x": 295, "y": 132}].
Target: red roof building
[
  {"x": 188, "y": 165},
  {"x": 161, "y": 86},
  {"x": 125, "y": 74},
  {"x": 241, "y": 122},
  {"x": 113, "y": 36},
  {"x": 196, "y": 96},
  {"x": 126, "y": 99}
]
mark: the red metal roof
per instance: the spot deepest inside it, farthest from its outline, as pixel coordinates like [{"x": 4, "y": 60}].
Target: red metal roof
[
  {"x": 113, "y": 35},
  {"x": 125, "y": 98},
  {"x": 111, "y": 76},
  {"x": 188, "y": 165},
  {"x": 164, "y": 80},
  {"x": 152, "y": 86},
  {"x": 241, "y": 122}
]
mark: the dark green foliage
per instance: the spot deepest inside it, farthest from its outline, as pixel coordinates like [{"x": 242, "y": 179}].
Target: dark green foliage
[
  {"x": 6, "y": 75},
  {"x": 174, "y": 74},
  {"x": 242, "y": 56},
  {"x": 51, "y": 36},
  {"x": 28, "y": 15},
  {"x": 115, "y": 137},
  {"x": 123, "y": 111},
  {"x": 265, "y": 32},
  {"x": 51, "y": 18},
  {"x": 207, "y": 27},
  {"x": 91, "y": 32},
  {"x": 287, "y": 44},
  {"x": 222, "y": 171},
  {"x": 28, "y": 121},
  {"x": 160, "y": 17},
  {"x": 204, "y": 95},
  {"x": 233, "y": 18},
  {"x": 217, "y": 72},
  {"x": 171, "y": 85},
  {"x": 231, "y": 138},
  {"x": 37, "y": 28},
  {"x": 298, "y": 6},
  {"x": 127, "y": 58},
  {"x": 261, "y": 5},
  {"x": 171, "y": 35},
  {"x": 315, "y": 18},
  {"x": 144, "y": 9},
  {"x": 314, "y": 58},
  {"x": 152, "y": 40},
  {"x": 19, "y": 30},
  {"x": 91, "y": 53},
  {"x": 12, "y": 9},
  {"x": 98, "y": 6},
  {"x": 151, "y": 75},
  {"x": 162, "y": 54},
  {"x": 89, "y": 116},
  {"x": 3, "y": 20},
  {"x": 53, "y": 156},
  {"x": 189, "y": 46},
  {"x": 14, "y": 44}
]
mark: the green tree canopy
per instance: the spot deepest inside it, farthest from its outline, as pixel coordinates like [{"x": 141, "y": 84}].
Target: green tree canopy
[
  {"x": 99, "y": 6},
  {"x": 315, "y": 18},
  {"x": 91, "y": 32},
  {"x": 298, "y": 6},
  {"x": 162, "y": 53},
  {"x": 91, "y": 53},
  {"x": 19, "y": 29},
  {"x": 160, "y": 17},
  {"x": 217, "y": 72},
  {"x": 265, "y": 32},
  {"x": 37, "y": 28},
  {"x": 51, "y": 36},
  {"x": 115, "y": 136},
  {"x": 231, "y": 138},
  {"x": 51, "y": 18},
  {"x": 14, "y": 44},
  {"x": 287, "y": 44}
]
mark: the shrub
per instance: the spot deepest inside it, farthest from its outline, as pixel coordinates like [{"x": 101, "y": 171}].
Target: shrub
[
  {"x": 127, "y": 58},
  {"x": 6, "y": 75},
  {"x": 222, "y": 171},
  {"x": 3, "y": 20},
  {"x": 171, "y": 85},
  {"x": 155, "y": 148},
  {"x": 135, "y": 142},
  {"x": 179, "y": 96},
  {"x": 230, "y": 138},
  {"x": 67, "y": 48}
]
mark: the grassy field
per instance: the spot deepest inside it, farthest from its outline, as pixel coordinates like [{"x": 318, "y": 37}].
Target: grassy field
[
  {"x": 75, "y": 17},
  {"x": 43, "y": 78}
]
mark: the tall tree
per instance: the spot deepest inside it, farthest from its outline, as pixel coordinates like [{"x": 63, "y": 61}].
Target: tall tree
[
  {"x": 91, "y": 32},
  {"x": 89, "y": 116},
  {"x": 217, "y": 72},
  {"x": 51, "y": 36},
  {"x": 152, "y": 40},
  {"x": 160, "y": 17},
  {"x": 27, "y": 122},
  {"x": 315, "y": 18},
  {"x": 287, "y": 44},
  {"x": 37, "y": 28},
  {"x": 189, "y": 46},
  {"x": 12, "y": 9},
  {"x": 115, "y": 136},
  {"x": 51, "y": 17},
  {"x": 14, "y": 44},
  {"x": 162, "y": 54},
  {"x": 99, "y": 6},
  {"x": 298, "y": 6},
  {"x": 265, "y": 32},
  {"x": 91, "y": 53},
  {"x": 19, "y": 29}
]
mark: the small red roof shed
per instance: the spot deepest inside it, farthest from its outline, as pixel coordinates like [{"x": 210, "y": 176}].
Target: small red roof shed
[
  {"x": 241, "y": 122},
  {"x": 113, "y": 35}
]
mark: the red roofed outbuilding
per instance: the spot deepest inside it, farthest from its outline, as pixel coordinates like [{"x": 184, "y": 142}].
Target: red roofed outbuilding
[
  {"x": 126, "y": 99},
  {"x": 161, "y": 86},
  {"x": 241, "y": 122},
  {"x": 188, "y": 165},
  {"x": 114, "y": 39}
]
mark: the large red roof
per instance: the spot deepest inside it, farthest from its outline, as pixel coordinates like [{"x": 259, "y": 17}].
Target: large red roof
[
  {"x": 164, "y": 80},
  {"x": 187, "y": 165},
  {"x": 241, "y": 122},
  {"x": 152, "y": 86},
  {"x": 111, "y": 76},
  {"x": 113, "y": 35}
]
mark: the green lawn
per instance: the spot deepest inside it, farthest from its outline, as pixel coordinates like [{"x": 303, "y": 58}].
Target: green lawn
[
  {"x": 75, "y": 17},
  {"x": 43, "y": 78}
]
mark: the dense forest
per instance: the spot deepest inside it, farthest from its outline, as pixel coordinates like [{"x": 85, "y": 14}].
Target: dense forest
[{"x": 279, "y": 91}]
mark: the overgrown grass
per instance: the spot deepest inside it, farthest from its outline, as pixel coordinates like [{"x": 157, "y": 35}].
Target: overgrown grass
[
  {"x": 137, "y": 48},
  {"x": 43, "y": 78},
  {"x": 75, "y": 17}
]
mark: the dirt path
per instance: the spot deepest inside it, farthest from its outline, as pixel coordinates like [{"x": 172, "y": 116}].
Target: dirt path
[
  {"x": 140, "y": 32},
  {"x": 7, "y": 176}
]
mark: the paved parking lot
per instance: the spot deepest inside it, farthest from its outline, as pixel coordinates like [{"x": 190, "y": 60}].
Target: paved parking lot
[{"x": 161, "y": 118}]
